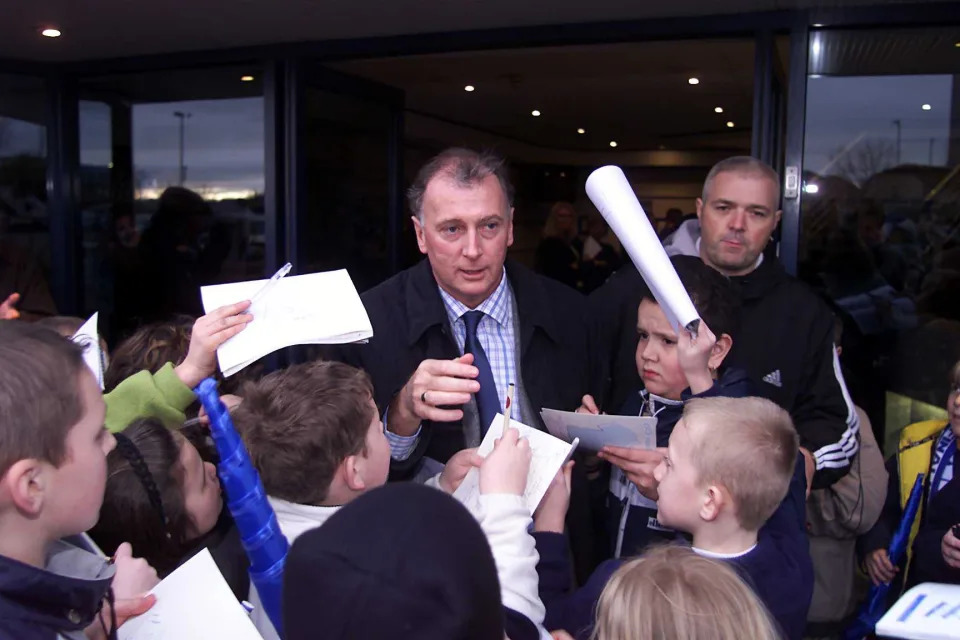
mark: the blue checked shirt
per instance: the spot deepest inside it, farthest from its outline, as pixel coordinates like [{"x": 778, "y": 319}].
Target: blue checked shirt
[{"x": 498, "y": 337}]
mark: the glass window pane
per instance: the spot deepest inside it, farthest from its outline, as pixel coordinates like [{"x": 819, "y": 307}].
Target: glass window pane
[
  {"x": 196, "y": 136},
  {"x": 24, "y": 223},
  {"x": 881, "y": 212}
]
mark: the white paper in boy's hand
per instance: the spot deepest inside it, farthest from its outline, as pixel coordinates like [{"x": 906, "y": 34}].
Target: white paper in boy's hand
[
  {"x": 316, "y": 308},
  {"x": 928, "y": 611},
  {"x": 598, "y": 431},
  {"x": 193, "y": 603},
  {"x": 549, "y": 454},
  {"x": 88, "y": 336},
  {"x": 612, "y": 194}
]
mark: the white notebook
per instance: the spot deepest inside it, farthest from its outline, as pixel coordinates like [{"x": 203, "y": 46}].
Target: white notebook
[
  {"x": 193, "y": 603},
  {"x": 549, "y": 454},
  {"x": 929, "y": 611},
  {"x": 317, "y": 308}
]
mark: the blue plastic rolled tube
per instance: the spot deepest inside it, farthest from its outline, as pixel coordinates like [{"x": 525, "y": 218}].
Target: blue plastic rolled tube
[{"x": 265, "y": 545}]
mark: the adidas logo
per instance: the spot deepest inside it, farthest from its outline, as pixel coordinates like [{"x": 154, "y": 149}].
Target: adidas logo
[{"x": 773, "y": 378}]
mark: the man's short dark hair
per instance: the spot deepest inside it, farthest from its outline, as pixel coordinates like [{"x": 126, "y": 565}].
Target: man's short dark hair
[
  {"x": 714, "y": 296},
  {"x": 746, "y": 165},
  {"x": 300, "y": 423},
  {"x": 40, "y": 397},
  {"x": 466, "y": 168}
]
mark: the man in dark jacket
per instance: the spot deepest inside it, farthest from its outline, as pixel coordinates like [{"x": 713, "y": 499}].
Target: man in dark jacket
[
  {"x": 453, "y": 332},
  {"x": 785, "y": 342}
]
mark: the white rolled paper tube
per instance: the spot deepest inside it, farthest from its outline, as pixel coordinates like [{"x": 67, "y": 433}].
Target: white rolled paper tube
[{"x": 612, "y": 194}]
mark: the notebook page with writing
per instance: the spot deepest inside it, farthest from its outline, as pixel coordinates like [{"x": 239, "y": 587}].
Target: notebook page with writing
[
  {"x": 316, "y": 308},
  {"x": 548, "y": 455},
  {"x": 193, "y": 603}
]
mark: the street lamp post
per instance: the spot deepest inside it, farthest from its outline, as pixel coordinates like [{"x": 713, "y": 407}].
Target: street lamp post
[
  {"x": 183, "y": 168},
  {"x": 898, "y": 124}
]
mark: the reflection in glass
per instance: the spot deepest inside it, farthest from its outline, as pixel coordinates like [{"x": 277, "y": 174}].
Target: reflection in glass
[
  {"x": 172, "y": 192},
  {"x": 24, "y": 222},
  {"x": 881, "y": 221}
]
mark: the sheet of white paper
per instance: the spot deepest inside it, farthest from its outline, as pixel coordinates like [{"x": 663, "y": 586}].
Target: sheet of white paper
[
  {"x": 88, "y": 337},
  {"x": 928, "y": 611},
  {"x": 595, "y": 432},
  {"x": 549, "y": 454},
  {"x": 610, "y": 191},
  {"x": 193, "y": 603},
  {"x": 316, "y": 308}
]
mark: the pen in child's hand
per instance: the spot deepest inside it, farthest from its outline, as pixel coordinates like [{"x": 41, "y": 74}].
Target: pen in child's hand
[
  {"x": 956, "y": 531},
  {"x": 271, "y": 283}
]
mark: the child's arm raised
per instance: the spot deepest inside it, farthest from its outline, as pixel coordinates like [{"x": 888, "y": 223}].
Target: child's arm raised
[
  {"x": 209, "y": 332},
  {"x": 505, "y": 520},
  {"x": 695, "y": 353}
]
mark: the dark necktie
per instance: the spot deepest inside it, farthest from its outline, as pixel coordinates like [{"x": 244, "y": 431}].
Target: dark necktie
[{"x": 488, "y": 402}]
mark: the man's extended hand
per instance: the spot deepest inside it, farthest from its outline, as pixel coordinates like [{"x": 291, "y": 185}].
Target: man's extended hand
[
  {"x": 434, "y": 385},
  {"x": 638, "y": 464}
]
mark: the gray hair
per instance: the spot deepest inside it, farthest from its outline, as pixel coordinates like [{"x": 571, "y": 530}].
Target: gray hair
[
  {"x": 744, "y": 165},
  {"x": 466, "y": 168}
]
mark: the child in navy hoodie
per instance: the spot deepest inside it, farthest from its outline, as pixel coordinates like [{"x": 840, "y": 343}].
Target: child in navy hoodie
[
  {"x": 53, "y": 467},
  {"x": 674, "y": 368},
  {"x": 734, "y": 479}
]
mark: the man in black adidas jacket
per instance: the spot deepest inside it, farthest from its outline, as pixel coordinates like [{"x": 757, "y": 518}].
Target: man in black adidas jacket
[{"x": 785, "y": 341}]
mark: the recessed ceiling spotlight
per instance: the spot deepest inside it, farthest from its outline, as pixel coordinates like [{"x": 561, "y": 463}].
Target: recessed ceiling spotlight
[
  {"x": 817, "y": 25},
  {"x": 246, "y": 78},
  {"x": 718, "y": 109},
  {"x": 613, "y": 143},
  {"x": 693, "y": 80},
  {"x": 50, "y": 32},
  {"x": 581, "y": 131},
  {"x": 469, "y": 88},
  {"x": 926, "y": 107},
  {"x": 730, "y": 124},
  {"x": 535, "y": 113}
]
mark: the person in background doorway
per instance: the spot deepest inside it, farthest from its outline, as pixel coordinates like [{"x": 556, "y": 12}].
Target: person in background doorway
[{"x": 559, "y": 253}]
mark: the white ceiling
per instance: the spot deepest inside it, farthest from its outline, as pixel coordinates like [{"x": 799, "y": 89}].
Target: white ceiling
[{"x": 95, "y": 29}]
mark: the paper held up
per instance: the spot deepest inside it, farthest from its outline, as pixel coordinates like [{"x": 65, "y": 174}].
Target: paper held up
[
  {"x": 610, "y": 191},
  {"x": 193, "y": 603},
  {"x": 597, "y": 431},
  {"x": 316, "y": 308},
  {"x": 549, "y": 454},
  {"x": 88, "y": 337},
  {"x": 928, "y": 611}
]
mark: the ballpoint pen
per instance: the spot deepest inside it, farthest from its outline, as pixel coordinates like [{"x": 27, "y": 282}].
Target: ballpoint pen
[
  {"x": 508, "y": 406},
  {"x": 271, "y": 283}
]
